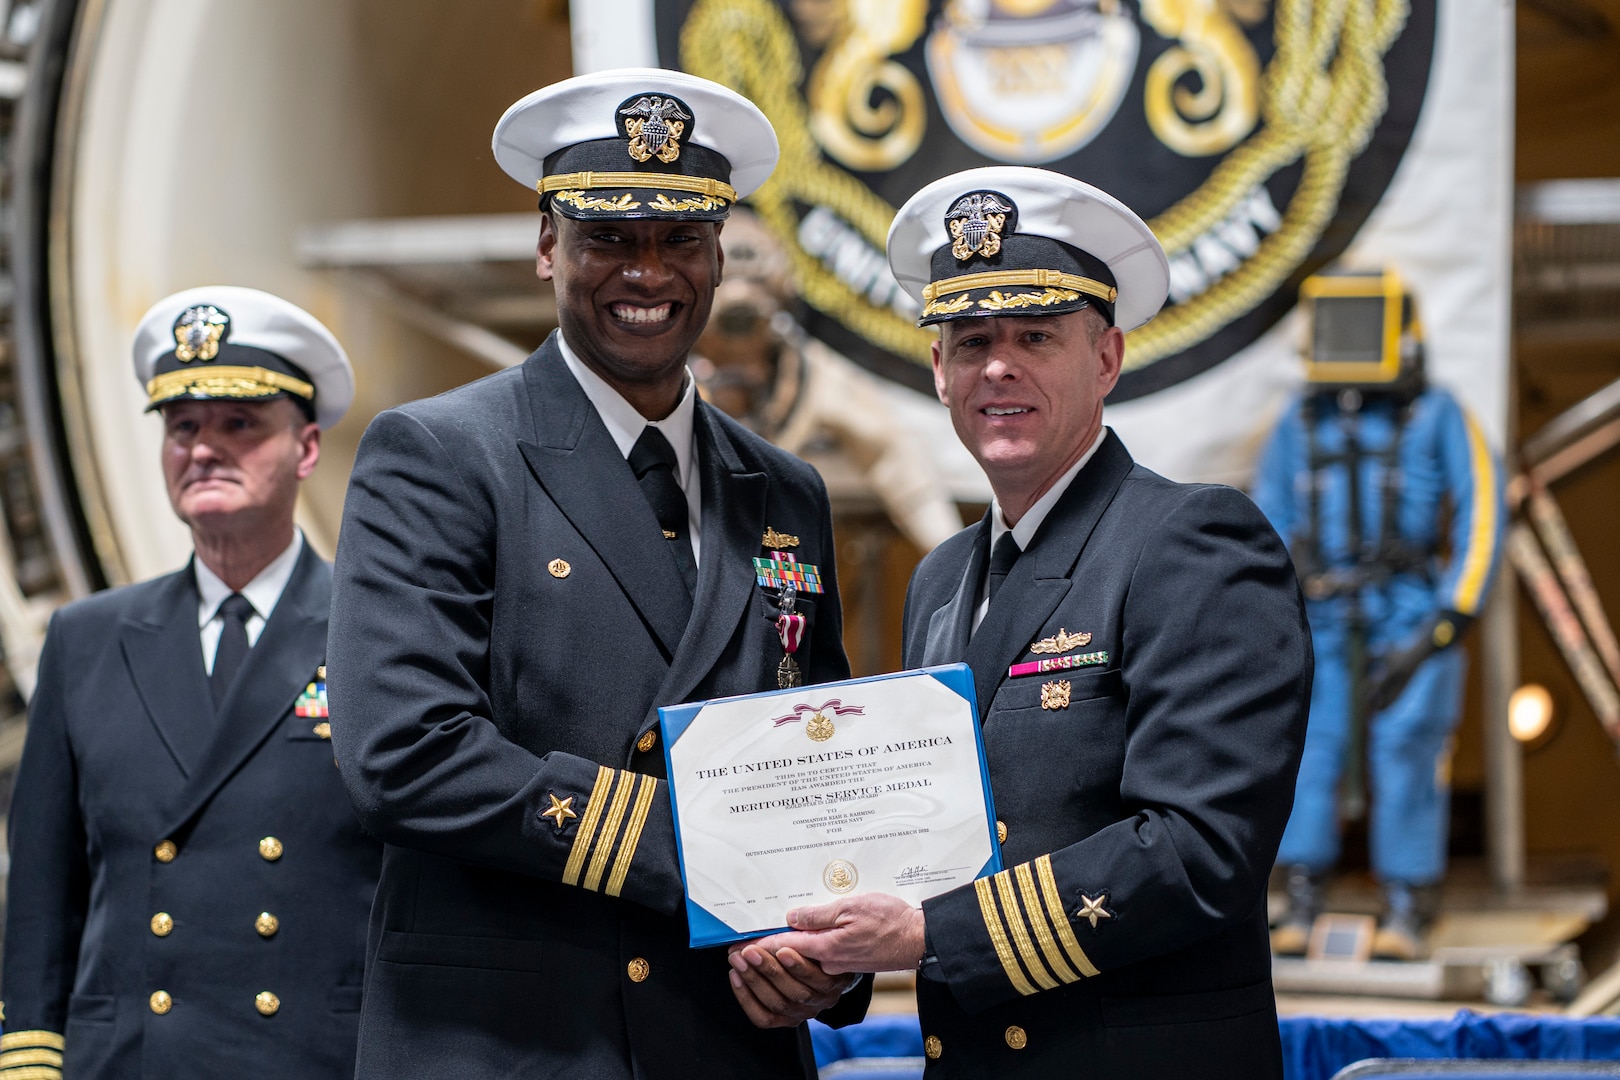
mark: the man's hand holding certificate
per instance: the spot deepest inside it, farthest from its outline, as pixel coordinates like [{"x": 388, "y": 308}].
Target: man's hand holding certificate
[{"x": 791, "y": 799}]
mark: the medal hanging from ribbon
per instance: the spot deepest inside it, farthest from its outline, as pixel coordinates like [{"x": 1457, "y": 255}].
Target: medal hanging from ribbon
[{"x": 790, "y": 629}]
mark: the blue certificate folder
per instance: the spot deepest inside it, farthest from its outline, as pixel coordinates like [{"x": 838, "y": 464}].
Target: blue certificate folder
[{"x": 706, "y": 929}]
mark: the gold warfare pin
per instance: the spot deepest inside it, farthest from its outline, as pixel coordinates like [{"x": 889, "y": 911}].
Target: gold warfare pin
[{"x": 1061, "y": 642}]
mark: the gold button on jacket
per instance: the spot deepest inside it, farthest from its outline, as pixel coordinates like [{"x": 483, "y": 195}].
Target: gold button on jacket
[
  {"x": 267, "y": 1003},
  {"x": 1016, "y": 1037},
  {"x": 933, "y": 1047},
  {"x": 647, "y": 741},
  {"x": 1001, "y": 831},
  {"x": 639, "y": 970},
  {"x": 160, "y": 1001},
  {"x": 162, "y": 924},
  {"x": 165, "y": 851},
  {"x": 266, "y": 924},
  {"x": 270, "y": 848}
]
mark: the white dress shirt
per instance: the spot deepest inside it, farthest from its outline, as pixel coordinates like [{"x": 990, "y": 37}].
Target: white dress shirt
[
  {"x": 624, "y": 423},
  {"x": 1025, "y": 530},
  {"x": 262, "y": 592}
]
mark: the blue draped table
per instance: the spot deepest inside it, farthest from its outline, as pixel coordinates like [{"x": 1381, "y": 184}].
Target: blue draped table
[{"x": 1314, "y": 1047}]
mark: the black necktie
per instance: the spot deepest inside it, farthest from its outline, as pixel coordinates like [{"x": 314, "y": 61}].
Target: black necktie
[
  {"x": 1002, "y": 557},
  {"x": 652, "y": 459},
  {"x": 234, "y": 612}
]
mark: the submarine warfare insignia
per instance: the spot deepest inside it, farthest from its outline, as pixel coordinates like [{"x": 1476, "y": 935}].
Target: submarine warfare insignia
[
  {"x": 198, "y": 333},
  {"x": 655, "y": 126},
  {"x": 1061, "y": 642},
  {"x": 790, "y": 631},
  {"x": 774, "y": 539},
  {"x": 976, "y": 221}
]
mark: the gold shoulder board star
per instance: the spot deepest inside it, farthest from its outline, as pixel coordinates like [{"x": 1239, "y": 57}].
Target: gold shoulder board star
[
  {"x": 1093, "y": 909},
  {"x": 560, "y": 811},
  {"x": 777, "y": 540}
]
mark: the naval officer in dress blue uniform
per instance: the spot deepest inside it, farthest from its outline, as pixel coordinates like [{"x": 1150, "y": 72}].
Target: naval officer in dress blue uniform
[
  {"x": 529, "y": 566},
  {"x": 1143, "y": 671},
  {"x": 189, "y": 885}
]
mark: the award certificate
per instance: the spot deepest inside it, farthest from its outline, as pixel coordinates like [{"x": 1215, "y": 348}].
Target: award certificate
[{"x": 796, "y": 797}]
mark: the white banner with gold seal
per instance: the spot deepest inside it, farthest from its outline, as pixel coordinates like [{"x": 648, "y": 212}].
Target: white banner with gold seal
[{"x": 1263, "y": 140}]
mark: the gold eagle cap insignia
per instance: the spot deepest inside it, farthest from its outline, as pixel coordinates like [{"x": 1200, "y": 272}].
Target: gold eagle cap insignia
[
  {"x": 778, "y": 541},
  {"x": 975, "y": 222},
  {"x": 655, "y": 124},
  {"x": 198, "y": 333},
  {"x": 1061, "y": 642}
]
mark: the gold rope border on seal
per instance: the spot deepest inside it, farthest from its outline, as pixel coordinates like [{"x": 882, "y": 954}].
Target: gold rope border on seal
[
  {"x": 229, "y": 381},
  {"x": 699, "y": 185},
  {"x": 994, "y": 279},
  {"x": 1322, "y": 94}
]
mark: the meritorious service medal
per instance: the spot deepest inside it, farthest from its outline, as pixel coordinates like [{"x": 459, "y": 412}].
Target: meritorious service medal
[{"x": 790, "y": 630}]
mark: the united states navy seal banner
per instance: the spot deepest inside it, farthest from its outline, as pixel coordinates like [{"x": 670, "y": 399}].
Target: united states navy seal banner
[{"x": 1261, "y": 139}]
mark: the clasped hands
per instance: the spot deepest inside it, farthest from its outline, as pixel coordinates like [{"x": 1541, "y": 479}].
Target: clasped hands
[{"x": 787, "y": 978}]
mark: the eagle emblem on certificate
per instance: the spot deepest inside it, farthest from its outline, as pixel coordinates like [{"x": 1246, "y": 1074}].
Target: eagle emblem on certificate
[{"x": 655, "y": 124}]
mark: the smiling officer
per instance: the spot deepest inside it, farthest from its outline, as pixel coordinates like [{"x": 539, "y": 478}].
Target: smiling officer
[
  {"x": 189, "y": 885},
  {"x": 1142, "y": 664},
  {"x": 529, "y": 567}
]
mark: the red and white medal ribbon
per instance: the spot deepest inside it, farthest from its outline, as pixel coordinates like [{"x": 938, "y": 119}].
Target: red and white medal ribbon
[{"x": 790, "y": 628}]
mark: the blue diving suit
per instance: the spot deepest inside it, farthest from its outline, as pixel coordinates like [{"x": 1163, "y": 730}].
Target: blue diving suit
[{"x": 1418, "y": 560}]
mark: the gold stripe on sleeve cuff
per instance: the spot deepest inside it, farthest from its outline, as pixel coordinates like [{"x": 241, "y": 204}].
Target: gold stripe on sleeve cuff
[
  {"x": 998, "y": 937},
  {"x": 18, "y": 1040},
  {"x": 1038, "y": 922},
  {"x": 610, "y": 830},
  {"x": 587, "y": 825},
  {"x": 32, "y": 1072},
  {"x": 1060, "y": 918},
  {"x": 11, "y": 1059},
  {"x": 1020, "y": 934},
  {"x": 632, "y": 834}
]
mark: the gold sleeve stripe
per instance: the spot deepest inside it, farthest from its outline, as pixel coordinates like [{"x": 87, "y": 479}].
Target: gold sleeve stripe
[
  {"x": 32, "y": 1072},
  {"x": 587, "y": 825},
  {"x": 17, "y": 1040},
  {"x": 632, "y": 834},
  {"x": 998, "y": 937},
  {"x": 1481, "y": 525},
  {"x": 1039, "y": 924},
  {"x": 610, "y": 830},
  {"x": 1020, "y": 933},
  {"x": 35, "y": 1056},
  {"x": 1060, "y": 918}
]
